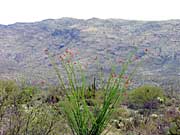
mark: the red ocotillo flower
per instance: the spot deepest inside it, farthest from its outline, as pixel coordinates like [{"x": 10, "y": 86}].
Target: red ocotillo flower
[
  {"x": 61, "y": 57},
  {"x": 67, "y": 51},
  {"x": 120, "y": 60},
  {"x": 95, "y": 58},
  {"x": 46, "y": 51},
  {"x": 127, "y": 82},
  {"x": 125, "y": 94},
  {"x": 125, "y": 77},
  {"x": 135, "y": 58},
  {"x": 114, "y": 75},
  {"x": 42, "y": 82}
]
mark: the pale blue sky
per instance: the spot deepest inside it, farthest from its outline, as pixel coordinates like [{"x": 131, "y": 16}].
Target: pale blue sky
[{"x": 12, "y": 11}]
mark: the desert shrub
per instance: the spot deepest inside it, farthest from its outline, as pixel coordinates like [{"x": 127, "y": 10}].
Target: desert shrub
[
  {"x": 7, "y": 86},
  {"x": 172, "y": 120},
  {"x": 23, "y": 111},
  {"x": 27, "y": 94},
  {"x": 175, "y": 126},
  {"x": 121, "y": 112},
  {"x": 145, "y": 97},
  {"x": 8, "y": 91},
  {"x": 40, "y": 119}
]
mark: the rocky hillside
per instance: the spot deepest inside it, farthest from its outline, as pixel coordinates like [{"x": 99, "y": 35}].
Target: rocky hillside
[{"x": 22, "y": 47}]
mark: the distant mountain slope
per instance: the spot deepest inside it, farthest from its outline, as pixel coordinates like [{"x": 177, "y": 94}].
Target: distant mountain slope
[{"x": 22, "y": 45}]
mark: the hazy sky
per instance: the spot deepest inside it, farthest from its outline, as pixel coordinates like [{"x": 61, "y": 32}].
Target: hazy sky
[{"x": 12, "y": 11}]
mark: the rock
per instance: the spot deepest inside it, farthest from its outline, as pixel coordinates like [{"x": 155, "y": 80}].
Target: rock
[{"x": 157, "y": 43}]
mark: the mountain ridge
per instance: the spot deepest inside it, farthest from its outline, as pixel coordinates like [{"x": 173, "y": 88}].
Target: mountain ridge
[{"x": 22, "y": 45}]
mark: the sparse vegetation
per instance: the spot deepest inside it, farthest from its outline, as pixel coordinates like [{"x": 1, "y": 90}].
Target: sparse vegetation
[
  {"x": 146, "y": 96},
  {"x": 75, "y": 107},
  {"x": 32, "y": 111}
]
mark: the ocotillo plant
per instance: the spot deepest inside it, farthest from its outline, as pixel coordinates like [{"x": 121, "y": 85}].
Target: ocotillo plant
[{"x": 80, "y": 117}]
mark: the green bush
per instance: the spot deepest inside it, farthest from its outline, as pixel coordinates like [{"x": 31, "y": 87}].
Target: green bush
[
  {"x": 175, "y": 126},
  {"x": 22, "y": 111},
  {"x": 8, "y": 91},
  {"x": 8, "y": 86},
  {"x": 145, "y": 97}
]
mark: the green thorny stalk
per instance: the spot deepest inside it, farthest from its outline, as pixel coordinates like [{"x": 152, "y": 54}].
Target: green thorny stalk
[{"x": 80, "y": 118}]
